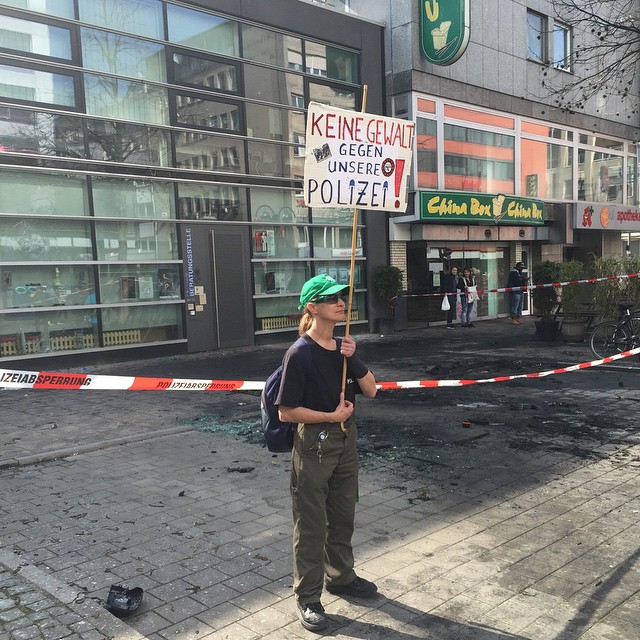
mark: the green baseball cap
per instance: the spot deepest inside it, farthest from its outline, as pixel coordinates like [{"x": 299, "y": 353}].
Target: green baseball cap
[{"x": 322, "y": 285}]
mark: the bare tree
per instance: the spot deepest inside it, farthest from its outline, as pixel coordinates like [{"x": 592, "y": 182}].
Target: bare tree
[{"x": 605, "y": 62}]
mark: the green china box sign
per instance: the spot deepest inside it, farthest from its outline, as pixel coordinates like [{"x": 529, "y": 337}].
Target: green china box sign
[
  {"x": 444, "y": 29},
  {"x": 477, "y": 207}
]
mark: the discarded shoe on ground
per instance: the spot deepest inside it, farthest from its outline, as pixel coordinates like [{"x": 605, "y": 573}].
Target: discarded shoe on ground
[{"x": 122, "y": 601}]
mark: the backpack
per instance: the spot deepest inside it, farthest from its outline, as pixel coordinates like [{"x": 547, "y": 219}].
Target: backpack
[{"x": 278, "y": 434}]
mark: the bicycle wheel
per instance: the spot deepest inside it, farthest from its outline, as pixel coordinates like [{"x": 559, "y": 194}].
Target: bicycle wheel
[
  {"x": 608, "y": 339},
  {"x": 632, "y": 327}
]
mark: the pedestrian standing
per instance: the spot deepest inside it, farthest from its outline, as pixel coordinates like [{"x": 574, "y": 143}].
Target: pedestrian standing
[
  {"x": 449, "y": 286},
  {"x": 468, "y": 296},
  {"x": 324, "y": 473},
  {"x": 516, "y": 279}
]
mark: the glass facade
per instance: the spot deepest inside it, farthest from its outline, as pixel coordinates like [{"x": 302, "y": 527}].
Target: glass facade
[
  {"x": 490, "y": 152},
  {"x": 161, "y": 115}
]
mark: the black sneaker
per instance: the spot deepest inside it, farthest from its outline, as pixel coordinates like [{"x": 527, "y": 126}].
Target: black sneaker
[
  {"x": 312, "y": 616},
  {"x": 471, "y": 325},
  {"x": 451, "y": 326},
  {"x": 358, "y": 587}
]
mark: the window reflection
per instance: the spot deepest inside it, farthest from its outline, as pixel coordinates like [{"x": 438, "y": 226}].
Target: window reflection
[
  {"x": 344, "y": 99},
  {"x": 335, "y": 216},
  {"x": 275, "y": 160},
  {"x": 324, "y": 60},
  {"x": 546, "y": 170},
  {"x": 45, "y": 286},
  {"x": 43, "y": 194},
  {"x": 632, "y": 164},
  {"x": 114, "y": 98},
  {"x": 62, "y": 8},
  {"x": 201, "y": 151},
  {"x": 113, "y": 141},
  {"x": 35, "y": 37},
  {"x": 210, "y": 114},
  {"x": 23, "y": 131},
  {"x": 271, "y": 85},
  {"x": 204, "y": 72},
  {"x": 128, "y": 324},
  {"x": 546, "y": 130},
  {"x": 271, "y": 205},
  {"x": 122, "y": 55},
  {"x": 32, "y": 85},
  {"x": 136, "y": 241},
  {"x": 52, "y": 240},
  {"x": 139, "y": 283},
  {"x": 339, "y": 271},
  {"x": 211, "y": 202},
  {"x": 273, "y": 123},
  {"x": 48, "y": 331},
  {"x": 128, "y": 198},
  {"x": 427, "y": 158},
  {"x": 268, "y": 46},
  {"x": 286, "y": 241},
  {"x": 599, "y": 177},
  {"x": 280, "y": 277},
  {"x": 201, "y": 30},
  {"x": 335, "y": 242},
  {"x": 142, "y": 17},
  {"x": 476, "y": 160}
]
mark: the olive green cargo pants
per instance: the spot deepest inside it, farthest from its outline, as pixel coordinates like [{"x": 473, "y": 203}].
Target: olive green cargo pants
[{"x": 324, "y": 488}]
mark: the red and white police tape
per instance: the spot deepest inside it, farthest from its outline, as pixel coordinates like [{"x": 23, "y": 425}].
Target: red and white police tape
[
  {"x": 546, "y": 285},
  {"x": 14, "y": 379}
]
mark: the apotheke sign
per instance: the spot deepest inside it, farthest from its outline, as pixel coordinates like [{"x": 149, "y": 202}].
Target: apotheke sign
[
  {"x": 466, "y": 207},
  {"x": 444, "y": 29},
  {"x": 606, "y": 217}
]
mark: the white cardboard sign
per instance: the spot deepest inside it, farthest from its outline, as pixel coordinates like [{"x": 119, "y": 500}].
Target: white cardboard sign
[{"x": 356, "y": 159}]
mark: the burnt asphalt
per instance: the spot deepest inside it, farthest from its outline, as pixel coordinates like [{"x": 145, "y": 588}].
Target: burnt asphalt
[{"x": 480, "y": 536}]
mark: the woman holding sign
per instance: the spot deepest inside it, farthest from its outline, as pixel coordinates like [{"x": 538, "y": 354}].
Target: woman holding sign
[{"x": 324, "y": 473}]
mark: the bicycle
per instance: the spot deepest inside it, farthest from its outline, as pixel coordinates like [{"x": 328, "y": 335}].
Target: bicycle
[{"x": 615, "y": 336}]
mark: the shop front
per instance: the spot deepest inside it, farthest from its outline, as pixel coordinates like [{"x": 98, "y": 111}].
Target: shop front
[{"x": 482, "y": 232}]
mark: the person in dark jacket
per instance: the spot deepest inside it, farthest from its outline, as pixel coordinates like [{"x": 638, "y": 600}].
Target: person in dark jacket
[
  {"x": 516, "y": 279},
  {"x": 449, "y": 285}
]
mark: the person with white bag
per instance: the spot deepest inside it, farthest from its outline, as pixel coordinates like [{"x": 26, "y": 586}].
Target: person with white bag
[
  {"x": 449, "y": 285},
  {"x": 468, "y": 296}
]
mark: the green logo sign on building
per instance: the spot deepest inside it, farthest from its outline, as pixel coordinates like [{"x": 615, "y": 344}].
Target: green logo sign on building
[
  {"x": 447, "y": 206},
  {"x": 444, "y": 29}
]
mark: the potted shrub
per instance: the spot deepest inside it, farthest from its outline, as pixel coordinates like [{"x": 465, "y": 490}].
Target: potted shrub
[
  {"x": 609, "y": 292},
  {"x": 545, "y": 300},
  {"x": 573, "y": 328},
  {"x": 387, "y": 282}
]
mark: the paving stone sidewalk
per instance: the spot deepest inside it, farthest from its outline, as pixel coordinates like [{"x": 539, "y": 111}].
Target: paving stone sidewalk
[{"x": 201, "y": 520}]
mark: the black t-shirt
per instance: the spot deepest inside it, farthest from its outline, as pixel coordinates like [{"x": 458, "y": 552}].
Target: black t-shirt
[{"x": 319, "y": 389}]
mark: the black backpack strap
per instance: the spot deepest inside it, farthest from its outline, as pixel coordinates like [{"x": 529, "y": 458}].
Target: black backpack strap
[{"x": 304, "y": 349}]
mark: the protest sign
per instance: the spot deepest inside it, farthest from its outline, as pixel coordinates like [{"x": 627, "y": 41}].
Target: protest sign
[{"x": 356, "y": 159}]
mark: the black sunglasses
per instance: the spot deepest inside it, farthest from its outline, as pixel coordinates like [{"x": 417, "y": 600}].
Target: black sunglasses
[{"x": 333, "y": 299}]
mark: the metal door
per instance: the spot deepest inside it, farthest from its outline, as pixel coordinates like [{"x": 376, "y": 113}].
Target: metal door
[{"x": 232, "y": 299}]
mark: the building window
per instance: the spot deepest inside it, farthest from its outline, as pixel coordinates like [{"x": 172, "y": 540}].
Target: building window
[
  {"x": 198, "y": 71},
  {"x": 209, "y": 114},
  {"x": 536, "y": 40},
  {"x": 142, "y": 17},
  {"x": 297, "y": 100},
  {"x": 122, "y": 55},
  {"x": 299, "y": 140},
  {"x": 200, "y": 30},
  {"x": 426, "y": 147},
  {"x": 562, "y": 46},
  {"x": 32, "y": 85},
  {"x": 35, "y": 38}
]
